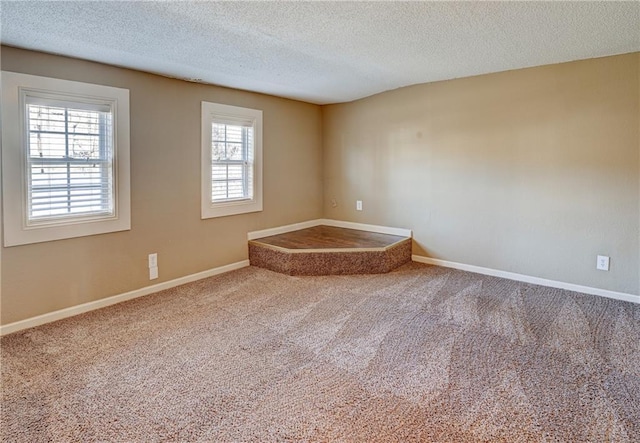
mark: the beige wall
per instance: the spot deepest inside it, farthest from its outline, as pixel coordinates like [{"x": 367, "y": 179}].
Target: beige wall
[
  {"x": 165, "y": 183},
  {"x": 534, "y": 171}
]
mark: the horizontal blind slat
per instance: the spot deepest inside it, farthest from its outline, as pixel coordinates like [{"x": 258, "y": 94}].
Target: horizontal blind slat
[
  {"x": 39, "y": 201},
  {"x": 79, "y": 203}
]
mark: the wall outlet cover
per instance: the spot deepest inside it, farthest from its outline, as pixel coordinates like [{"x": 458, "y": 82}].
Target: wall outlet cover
[{"x": 602, "y": 263}]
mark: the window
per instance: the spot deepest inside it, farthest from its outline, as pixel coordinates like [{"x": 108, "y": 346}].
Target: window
[
  {"x": 69, "y": 160},
  {"x": 65, "y": 159},
  {"x": 231, "y": 160}
]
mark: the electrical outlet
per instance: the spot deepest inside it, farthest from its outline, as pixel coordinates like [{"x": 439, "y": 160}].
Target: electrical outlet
[
  {"x": 153, "y": 260},
  {"x": 358, "y": 205},
  {"x": 602, "y": 263},
  {"x": 153, "y": 273}
]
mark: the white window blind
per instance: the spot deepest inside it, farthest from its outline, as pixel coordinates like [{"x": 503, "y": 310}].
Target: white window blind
[
  {"x": 231, "y": 161},
  {"x": 70, "y": 159}
]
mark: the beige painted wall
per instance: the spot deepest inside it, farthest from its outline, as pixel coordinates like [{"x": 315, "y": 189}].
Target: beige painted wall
[
  {"x": 165, "y": 182},
  {"x": 534, "y": 171}
]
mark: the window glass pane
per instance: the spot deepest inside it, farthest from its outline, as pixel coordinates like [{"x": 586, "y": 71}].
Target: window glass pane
[
  {"x": 249, "y": 154},
  {"x": 233, "y": 134},
  {"x": 218, "y": 152},
  {"x": 84, "y": 122},
  {"x": 218, "y": 132},
  {"x": 249, "y": 180},
  {"x": 219, "y": 191},
  {"x": 234, "y": 151},
  {"x": 235, "y": 172},
  {"x": 47, "y": 145},
  {"x": 236, "y": 189},
  {"x": 45, "y": 176},
  {"x": 218, "y": 172},
  {"x": 85, "y": 146},
  {"x": 44, "y": 118}
]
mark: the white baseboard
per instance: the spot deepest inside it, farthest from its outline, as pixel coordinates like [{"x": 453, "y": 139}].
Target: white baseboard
[
  {"x": 283, "y": 229},
  {"x": 90, "y": 306},
  {"x": 371, "y": 228},
  {"x": 528, "y": 279},
  {"x": 328, "y": 222}
]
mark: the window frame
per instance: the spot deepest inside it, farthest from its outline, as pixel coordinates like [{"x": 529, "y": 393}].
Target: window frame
[
  {"x": 212, "y": 112},
  {"x": 18, "y": 228}
]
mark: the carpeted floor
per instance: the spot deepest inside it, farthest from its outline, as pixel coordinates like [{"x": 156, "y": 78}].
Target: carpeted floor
[{"x": 421, "y": 354}]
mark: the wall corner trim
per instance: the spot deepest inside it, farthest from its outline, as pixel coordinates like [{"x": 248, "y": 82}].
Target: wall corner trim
[
  {"x": 108, "y": 301},
  {"x": 528, "y": 279},
  {"x": 329, "y": 222}
]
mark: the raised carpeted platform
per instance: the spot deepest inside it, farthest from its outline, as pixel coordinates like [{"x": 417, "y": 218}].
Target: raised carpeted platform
[{"x": 328, "y": 250}]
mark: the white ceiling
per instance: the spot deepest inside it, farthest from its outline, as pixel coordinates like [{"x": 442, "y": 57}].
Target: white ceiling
[{"x": 323, "y": 52}]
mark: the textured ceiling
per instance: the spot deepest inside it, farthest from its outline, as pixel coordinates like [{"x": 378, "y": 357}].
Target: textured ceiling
[{"x": 323, "y": 52}]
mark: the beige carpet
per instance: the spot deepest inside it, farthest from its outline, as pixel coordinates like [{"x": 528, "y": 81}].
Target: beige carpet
[{"x": 420, "y": 354}]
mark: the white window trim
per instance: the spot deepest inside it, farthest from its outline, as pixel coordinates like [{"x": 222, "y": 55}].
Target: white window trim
[
  {"x": 17, "y": 230},
  {"x": 216, "y": 111}
]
